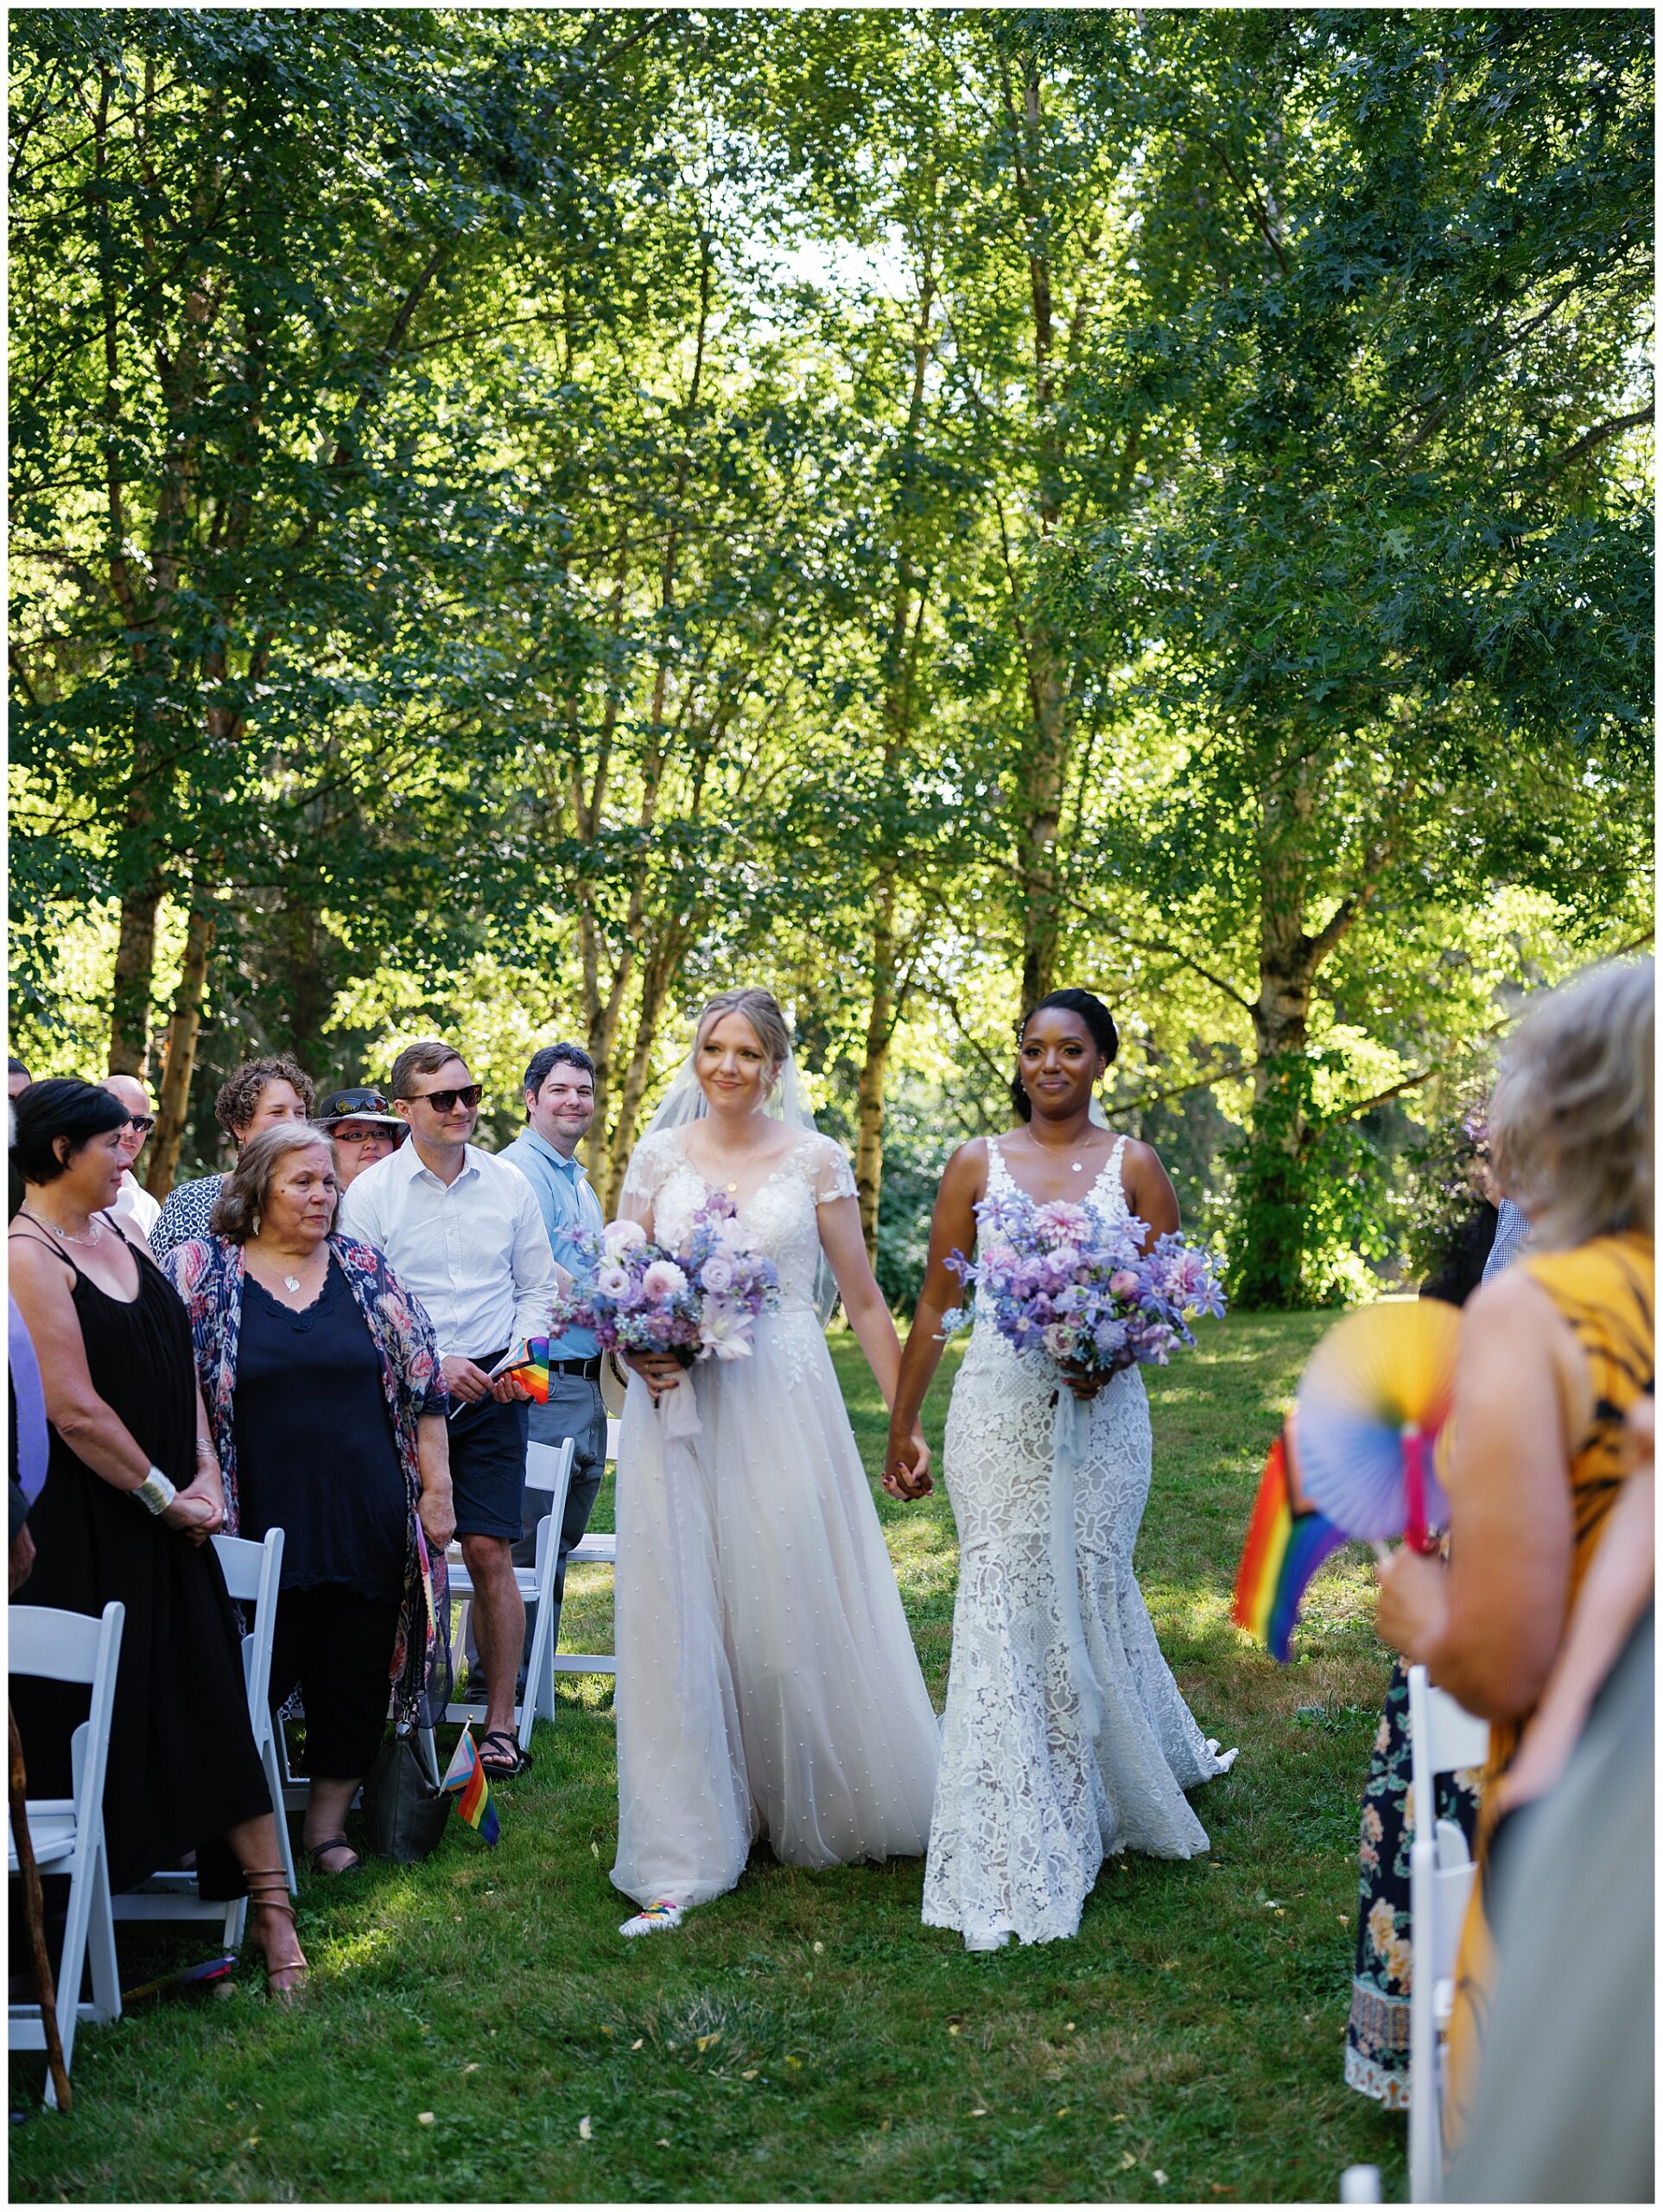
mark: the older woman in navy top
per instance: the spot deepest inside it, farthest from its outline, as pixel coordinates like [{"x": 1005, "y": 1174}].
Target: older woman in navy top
[{"x": 322, "y": 1380}]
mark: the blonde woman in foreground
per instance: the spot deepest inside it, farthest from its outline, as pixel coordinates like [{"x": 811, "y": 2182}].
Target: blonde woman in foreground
[
  {"x": 767, "y": 1684},
  {"x": 1553, "y": 1355}
]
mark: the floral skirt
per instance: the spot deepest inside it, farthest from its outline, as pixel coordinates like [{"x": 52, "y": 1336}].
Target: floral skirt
[{"x": 1377, "y": 2034}]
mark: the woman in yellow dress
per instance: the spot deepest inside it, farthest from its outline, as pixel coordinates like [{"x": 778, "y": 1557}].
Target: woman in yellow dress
[{"x": 1553, "y": 1356}]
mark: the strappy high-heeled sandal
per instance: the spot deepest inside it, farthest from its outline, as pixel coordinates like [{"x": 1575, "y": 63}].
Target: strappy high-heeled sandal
[{"x": 268, "y": 1892}]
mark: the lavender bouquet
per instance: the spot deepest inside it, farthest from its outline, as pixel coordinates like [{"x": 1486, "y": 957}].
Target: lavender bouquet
[
  {"x": 697, "y": 1300},
  {"x": 1058, "y": 1281}
]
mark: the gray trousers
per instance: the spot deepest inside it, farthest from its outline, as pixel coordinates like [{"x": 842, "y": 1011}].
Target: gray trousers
[{"x": 574, "y": 1409}]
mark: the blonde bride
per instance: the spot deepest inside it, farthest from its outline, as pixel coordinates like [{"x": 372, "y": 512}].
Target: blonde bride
[{"x": 767, "y": 1684}]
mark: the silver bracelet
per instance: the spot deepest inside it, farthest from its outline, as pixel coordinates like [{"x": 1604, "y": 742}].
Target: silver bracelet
[{"x": 155, "y": 1493}]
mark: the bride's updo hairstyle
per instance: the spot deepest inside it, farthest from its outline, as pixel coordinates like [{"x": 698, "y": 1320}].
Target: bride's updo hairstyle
[
  {"x": 762, "y": 1010},
  {"x": 1086, "y": 1007}
]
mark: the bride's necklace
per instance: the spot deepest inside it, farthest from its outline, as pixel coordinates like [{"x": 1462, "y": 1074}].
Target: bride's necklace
[
  {"x": 1078, "y": 1166},
  {"x": 68, "y": 1234}
]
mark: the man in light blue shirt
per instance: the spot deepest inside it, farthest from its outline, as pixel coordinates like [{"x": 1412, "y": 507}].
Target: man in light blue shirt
[{"x": 559, "y": 1108}]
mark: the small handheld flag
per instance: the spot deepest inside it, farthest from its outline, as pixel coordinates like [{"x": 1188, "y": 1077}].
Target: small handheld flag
[
  {"x": 529, "y": 1360},
  {"x": 1287, "y": 1541},
  {"x": 198, "y": 1976},
  {"x": 465, "y": 1778}
]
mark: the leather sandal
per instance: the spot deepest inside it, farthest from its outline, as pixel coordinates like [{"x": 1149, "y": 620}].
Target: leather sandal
[
  {"x": 503, "y": 1768},
  {"x": 314, "y": 1851},
  {"x": 268, "y": 1892}
]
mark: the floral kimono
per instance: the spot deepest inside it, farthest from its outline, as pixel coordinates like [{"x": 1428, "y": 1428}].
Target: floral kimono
[{"x": 208, "y": 1275}]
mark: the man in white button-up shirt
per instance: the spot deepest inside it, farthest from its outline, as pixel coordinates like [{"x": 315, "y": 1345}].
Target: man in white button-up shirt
[{"x": 464, "y": 1231}]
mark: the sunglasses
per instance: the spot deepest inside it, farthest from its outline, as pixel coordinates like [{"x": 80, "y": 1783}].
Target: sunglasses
[
  {"x": 142, "y": 1122},
  {"x": 443, "y": 1101},
  {"x": 348, "y": 1103}
]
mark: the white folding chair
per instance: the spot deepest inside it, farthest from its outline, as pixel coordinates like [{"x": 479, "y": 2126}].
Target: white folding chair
[
  {"x": 597, "y": 1548},
  {"x": 253, "y": 1574},
  {"x": 67, "y": 1833},
  {"x": 1442, "y": 1736},
  {"x": 548, "y": 1467}
]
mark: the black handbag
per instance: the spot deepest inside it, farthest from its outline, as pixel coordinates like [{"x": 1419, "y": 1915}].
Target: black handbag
[{"x": 404, "y": 1809}]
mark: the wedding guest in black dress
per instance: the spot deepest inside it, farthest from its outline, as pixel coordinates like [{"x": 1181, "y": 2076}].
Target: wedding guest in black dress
[
  {"x": 131, "y": 1496},
  {"x": 322, "y": 1380}
]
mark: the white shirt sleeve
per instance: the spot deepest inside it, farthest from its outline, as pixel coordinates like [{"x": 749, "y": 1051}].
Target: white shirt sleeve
[{"x": 359, "y": 1217}]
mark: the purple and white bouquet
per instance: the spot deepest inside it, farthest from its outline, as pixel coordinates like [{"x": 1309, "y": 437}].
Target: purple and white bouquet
[
  {"x": 1059, "y": 1280},
  {"x": 696, "y": 1300}
]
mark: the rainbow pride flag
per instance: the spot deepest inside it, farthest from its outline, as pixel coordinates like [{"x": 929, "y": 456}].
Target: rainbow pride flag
[
  {"x": 529, "y": 1360},
  {"x": 1287, "y": 1542},
  {"x": 465, "y": 1778}
]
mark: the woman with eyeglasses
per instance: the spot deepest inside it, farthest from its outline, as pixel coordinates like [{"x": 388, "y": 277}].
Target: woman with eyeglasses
[
  {"x": 361, "y": 1128},
  {"x": 261, "y": 1094}
]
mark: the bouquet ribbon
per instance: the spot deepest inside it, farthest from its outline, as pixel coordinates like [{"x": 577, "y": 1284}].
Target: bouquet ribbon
[
  {"x": 679, "y": 1426},
  {"x": 678, "y": 1411},
  {"x": 1070, "y": 1435}
]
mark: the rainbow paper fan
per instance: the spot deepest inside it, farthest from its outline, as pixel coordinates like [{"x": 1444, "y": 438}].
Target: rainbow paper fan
[{"x": 1373, "y": 1397}]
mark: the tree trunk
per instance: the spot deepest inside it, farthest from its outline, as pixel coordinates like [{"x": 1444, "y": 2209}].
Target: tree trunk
[
  {"x": 305, "y": 970},
  {"x": 1287, "y": 957},
  {"x": 130, "y": 1006},
  {"x": 1044, "y": 764},
  {"x": 1045, "y": 777},
  {"x": 183, "y": 1028},
  {"x": 880, "y": 1031},
  {"x": 657, "y": 973},
  {"x": 900, "y": 668}
]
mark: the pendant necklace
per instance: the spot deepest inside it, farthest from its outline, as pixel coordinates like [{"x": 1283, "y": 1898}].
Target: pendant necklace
[
  {"x": 68, "y": 1234},
  {"x": 291, "y": 1282}
]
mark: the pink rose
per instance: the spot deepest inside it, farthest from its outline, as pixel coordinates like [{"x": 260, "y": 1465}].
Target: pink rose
[{"x": 1123, "y": 1283}]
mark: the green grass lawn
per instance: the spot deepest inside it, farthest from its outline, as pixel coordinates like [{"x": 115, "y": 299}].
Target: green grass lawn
[{"x": 477, "y": 2029}]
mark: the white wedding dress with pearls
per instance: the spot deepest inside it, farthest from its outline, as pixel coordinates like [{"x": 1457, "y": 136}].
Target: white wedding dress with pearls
[{"x": 767, "y": 1684}]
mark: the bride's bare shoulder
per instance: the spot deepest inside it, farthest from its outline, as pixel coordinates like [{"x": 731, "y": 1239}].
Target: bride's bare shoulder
[{"x": 967, "y": 1167}]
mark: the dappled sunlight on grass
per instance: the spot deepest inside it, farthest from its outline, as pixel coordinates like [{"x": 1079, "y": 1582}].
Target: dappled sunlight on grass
[{"x": 805, "y": 2037}]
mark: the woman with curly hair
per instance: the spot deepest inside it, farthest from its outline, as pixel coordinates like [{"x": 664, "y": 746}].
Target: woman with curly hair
[{"x": 261, "y": 1094}]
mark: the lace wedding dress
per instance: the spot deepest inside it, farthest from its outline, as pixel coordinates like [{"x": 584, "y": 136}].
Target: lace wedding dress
[
  {"x": 767, "y": 1684},
  {"x": 1026, "y": 1805}
]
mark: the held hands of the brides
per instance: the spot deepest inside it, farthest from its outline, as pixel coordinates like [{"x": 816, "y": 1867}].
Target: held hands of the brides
[{"x": 906, "y": 1467}]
